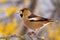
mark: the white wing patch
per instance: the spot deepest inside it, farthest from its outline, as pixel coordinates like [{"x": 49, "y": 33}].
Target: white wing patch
[{"x": 32, "y": 19}]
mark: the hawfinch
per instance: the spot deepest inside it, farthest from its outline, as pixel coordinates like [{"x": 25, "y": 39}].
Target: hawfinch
[{"x": 32, "y": 21}]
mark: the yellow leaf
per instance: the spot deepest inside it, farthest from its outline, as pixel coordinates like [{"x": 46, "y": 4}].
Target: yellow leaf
[
  {"x": 51, "y": 34},
  {"x": 3, "y": 1},
  {"x": 2, "y": 27},
  {"x": 26, "y": 1},
  {"x": 57, "y": 37},
  {"x": 57, "y": 31},
  {"x": 4, "y": 34},
  {"x": 3, "y": 39},
  {"x": 9, "y": 11},
  {"x": 10, "y": 28}
]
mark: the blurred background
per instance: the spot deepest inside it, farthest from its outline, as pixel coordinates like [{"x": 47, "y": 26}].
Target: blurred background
[{"x": 9, "y": 20}]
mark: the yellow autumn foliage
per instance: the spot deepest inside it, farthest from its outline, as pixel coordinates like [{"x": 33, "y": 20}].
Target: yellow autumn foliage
[
  {"x": 2, "y": 27},
  {"x": 26, "y": 1},
  {"x": 2, "y": 1},
  {"x": 11, "y": 27},
  {"x": 57, "y": 37},
  {"x": 51, "y": 34},
  {"x": 9, "y": 11}
]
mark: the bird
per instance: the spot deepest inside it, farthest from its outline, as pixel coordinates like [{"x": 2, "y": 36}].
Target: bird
[{"x": 31, "y": 20}]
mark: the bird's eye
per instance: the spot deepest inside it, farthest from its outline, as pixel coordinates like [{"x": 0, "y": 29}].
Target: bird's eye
[{"x": 21, "y": 15}]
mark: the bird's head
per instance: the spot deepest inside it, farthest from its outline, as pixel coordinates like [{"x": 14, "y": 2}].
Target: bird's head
[{"x": 24, "y": 12}]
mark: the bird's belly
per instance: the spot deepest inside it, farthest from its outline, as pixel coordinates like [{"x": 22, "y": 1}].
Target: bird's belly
[{"x": 34, "y": 25}]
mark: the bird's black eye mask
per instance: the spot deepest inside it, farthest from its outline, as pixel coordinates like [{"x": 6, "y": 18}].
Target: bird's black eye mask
[{"x": 21, "y": 13}]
